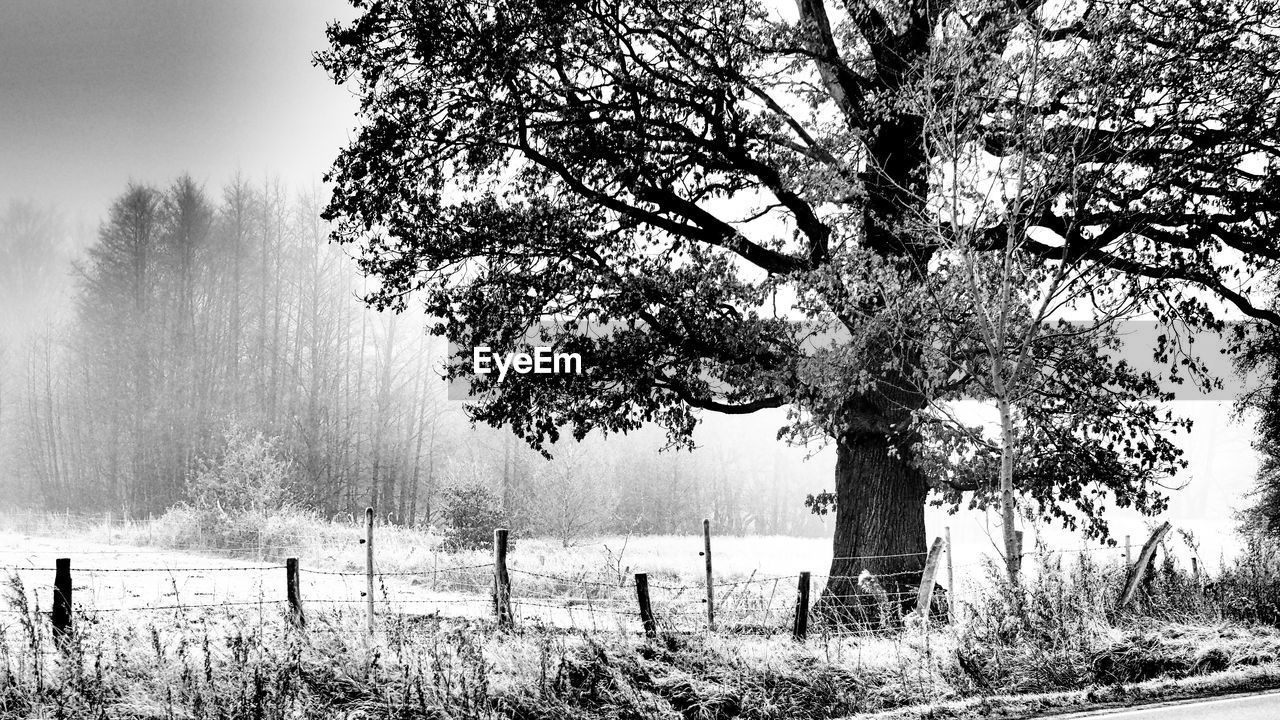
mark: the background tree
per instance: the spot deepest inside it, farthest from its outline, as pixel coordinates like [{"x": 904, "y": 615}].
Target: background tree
[
  {"x": 126, "y": 399},
  {"x": 342, "y": 401},
  {"x": 1258, "y": 362},
  {"x": 570, "y": 497},
  {"x": 35, "y": 246},
  {"x": 688, "y": 193}
]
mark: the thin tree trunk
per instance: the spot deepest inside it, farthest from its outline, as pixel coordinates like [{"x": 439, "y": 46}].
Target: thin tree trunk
[
  {"x": 409, "y": 492},
  {"x": 1012, "y": 553}
]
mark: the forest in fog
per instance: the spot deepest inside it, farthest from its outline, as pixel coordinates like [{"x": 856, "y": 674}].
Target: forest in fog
[{"x": 192, "y": 320}]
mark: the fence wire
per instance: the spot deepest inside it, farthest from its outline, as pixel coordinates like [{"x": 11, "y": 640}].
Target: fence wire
[{"x": 843, "y": 604}]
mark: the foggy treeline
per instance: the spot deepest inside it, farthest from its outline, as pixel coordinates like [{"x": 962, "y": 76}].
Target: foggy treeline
[{"x": 131, "y": 355}]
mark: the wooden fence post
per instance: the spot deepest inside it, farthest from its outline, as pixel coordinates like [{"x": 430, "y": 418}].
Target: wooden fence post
[
  {"x": 293, "y": 592},
  {"x": 368, "y": 564},
  {"x": 951, "y": 579},
  {"x": 1139, "y": 570},
  {"x": 1017, "y": 536},
  {"x": 1128, "y": 554},
  {"x": 924, "y": 597},
  {"x": 801, "y": 626},
  {"x": 646, "y": 610},
  {"x": 61, "y": 617},
  {"x": 711, "y": 600},
  {"x": 501, "y": 580}
]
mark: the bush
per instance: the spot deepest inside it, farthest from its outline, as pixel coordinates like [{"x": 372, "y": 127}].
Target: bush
[
  {"x": 280, "y": 533},
  {"x": 238, "y": 502},
  {"x": 249, "y": 474},
  {"x": 470, "y": 512},
  {"x": 1043, "y": 635},
  {"x": 1249, "y": 590}
]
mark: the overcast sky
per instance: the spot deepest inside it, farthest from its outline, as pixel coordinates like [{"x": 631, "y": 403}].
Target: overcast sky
[{"x": 96, "y": 92}]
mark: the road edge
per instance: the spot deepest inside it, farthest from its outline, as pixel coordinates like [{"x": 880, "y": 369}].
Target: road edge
[
  {"x": 1104, "y": 710},
  {"x": 1086, "y": 702}
]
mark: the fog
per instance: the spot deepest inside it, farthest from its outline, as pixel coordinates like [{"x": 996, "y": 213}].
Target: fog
[{"x": 205, "y": 129}]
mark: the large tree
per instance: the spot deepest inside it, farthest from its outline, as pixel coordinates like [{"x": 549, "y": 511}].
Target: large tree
[{"x": 726, "y": 206}]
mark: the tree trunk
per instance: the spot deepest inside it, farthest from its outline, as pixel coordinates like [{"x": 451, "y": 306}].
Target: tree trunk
[
  {"x": 880, "y": 497},
  {"x": 1012, "y": 548},
  {"x": 879, "y": 529}
]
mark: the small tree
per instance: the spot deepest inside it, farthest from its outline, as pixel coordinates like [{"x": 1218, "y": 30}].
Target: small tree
[
  {"x": 249, "y": 474},
  {"x": 1000, "y": 307},
  {"x": 470, "y": 511},
  {"x": 569, "y": 500}
]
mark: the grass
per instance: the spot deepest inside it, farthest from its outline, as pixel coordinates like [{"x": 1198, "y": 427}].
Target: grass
[
  {"x": 223, "y": 664},
  {"x": 336, "y": 544},
  {"x": 1060, "y": 642},
  {"x": 756, "y": 574},
  {"x": 183, "y": 665}
]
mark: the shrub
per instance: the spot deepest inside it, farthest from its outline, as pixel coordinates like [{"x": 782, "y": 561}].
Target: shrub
[
  {"x": 238, "y": 501},
  {"x": 1042, "y": 635},
  {"x": 250, "y": 474},
  {"x": 1249, "y": 589},
  {"x": 470, "y": 512},
  {"x": 280, "y": 533}
]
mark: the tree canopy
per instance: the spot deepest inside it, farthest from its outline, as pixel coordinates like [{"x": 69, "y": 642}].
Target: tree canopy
[{"x": 730, "y": 206}]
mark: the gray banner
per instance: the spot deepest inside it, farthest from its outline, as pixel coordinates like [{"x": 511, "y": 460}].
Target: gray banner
[{"x": 1138, "y": 338}]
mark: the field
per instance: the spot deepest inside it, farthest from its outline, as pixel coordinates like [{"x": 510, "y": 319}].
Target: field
[
  {"x": 164, "y": 632},
  {"x": 587, "y": 585}
]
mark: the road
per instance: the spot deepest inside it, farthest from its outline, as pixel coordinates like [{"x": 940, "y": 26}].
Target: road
[{"x": 1242, "y": 707}]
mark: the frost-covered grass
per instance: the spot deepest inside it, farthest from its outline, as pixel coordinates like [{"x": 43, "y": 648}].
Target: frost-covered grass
[
  {"x": 1068, "y": 646},
  {"x": 600, "y": 567},
  {"x": 755, "y": 576},
  {"x": 337, "y": 541},
  {"x": 181, "y": 664}
]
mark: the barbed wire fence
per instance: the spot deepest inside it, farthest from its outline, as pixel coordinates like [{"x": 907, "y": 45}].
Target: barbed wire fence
[{"x": 865, "y": 604}]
